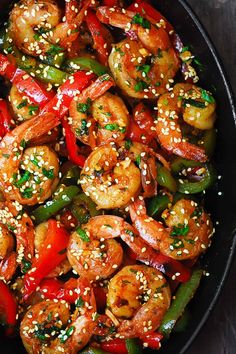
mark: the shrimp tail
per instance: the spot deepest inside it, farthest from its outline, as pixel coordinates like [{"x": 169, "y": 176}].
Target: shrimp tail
[
  {"x": 40, "y": 125},
  {"x": 190, "y": 151}
]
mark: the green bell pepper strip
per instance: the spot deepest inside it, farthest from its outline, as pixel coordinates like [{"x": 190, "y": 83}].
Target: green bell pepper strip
[
  {"x": 187, "y": 187},
  {"x": 157, "y": 204},
  {"x": 209, "y": 141},
  {"x": 91, "y": 350},
  {"x": 62, "y": 199},
  {"x": 54, "y": 60},
  {"x": 165, "y": 179},
  {"x": 183, "y": 296},
  {"x": 86, "y": 63},
  {"x": 180, "y": 163},
  {"x": 83, "y": 208},
  {"x": 71, "y": 176},
  {"x": 133, "y": 347},
  {"x": 183, "y": 322}
]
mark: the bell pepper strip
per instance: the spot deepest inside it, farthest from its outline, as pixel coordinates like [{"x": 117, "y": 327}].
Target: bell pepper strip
[
  {"x": 83, "y": 208},
  {"x": 8, "y": 307},
  {"x": 135, "y": 133},
  {"x": 122, "y": 346},
  {"x": 71, "y": 175},
  {"x": 100, "y": 35},
  {"x": 53, "y": 253},
  {"x": 209, "y": 141},
  {"x": 56, "y": 289},
  {"x": 71, "y": 9},
  {"x": 157, "y": 204},
  {"x": 182, "y": 297},
  {"x": 205, "y": 173},
  {"x": 91, "y": 350},
  {"x": 49, "y": 74},
  {"x": 63, "y": 197},
  {"x": 71, "y": 145},
  {"x": 147, "y": 10},
  {"x": 110, "y": 3},
  {"x": 165, "y": 179},
  {"x": 24, "y": 82},
  {"x": 183, "y": 322},
  {"x": 153, "y": 340},
  {"x": 5, "y": 118},
  {"x": 76, "y": 83},
  {"x": 85, "y": 63}
]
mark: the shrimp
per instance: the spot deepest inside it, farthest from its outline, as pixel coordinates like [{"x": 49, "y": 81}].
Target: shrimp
[
  {"x": 48, "y": 328},
  {"x": 39, "y": 164},
  {"x": 40, "y": 234},
  {"x": 97, "y": 116},
  {"x": 187, "y": 235},
  {"x": 14, "y": 221},
  {"x": 8, "y": 263},
  {"x": 111, "y": 178},
  {"x": 144, "y": 66},
  {"x": 92, "y": 251},
  {"x": 37, "y": 30},
  {"x": 22, "y": 106},
  {"x": 140, "y": 296},
  {"x": 186, "y": 99}
]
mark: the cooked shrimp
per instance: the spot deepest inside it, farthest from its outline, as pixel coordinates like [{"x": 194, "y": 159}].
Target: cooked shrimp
[
  {"x": 143, "y": 67},
  {"x": 111, "y": 178},
  {"x": 22, "y": 106},
  {"x": 6, "y": 241},
  {"x": 43, "y": 164},
  {"x": 14, "y": 220},
  {"x": 8, "y": 263},
  {"x": 36, "y": 27},
  {"x": 185, "y": 100},
  {"x": 27, "y": 19},
  {"x": 92, "y": 252},
  {"x": 48, "y": 328},
  {"x": 187, "y": 235},
  {"x": 98, "y": 117},
  {"x": 140, "y": 295},
  {"x": 40, "y": 234}
]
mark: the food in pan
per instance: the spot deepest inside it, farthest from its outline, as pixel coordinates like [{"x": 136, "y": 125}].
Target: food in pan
[{"x": 106, "y": 141}]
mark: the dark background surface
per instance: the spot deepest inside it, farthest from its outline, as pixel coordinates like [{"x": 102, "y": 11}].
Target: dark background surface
[{"x": 218, "y": 335}]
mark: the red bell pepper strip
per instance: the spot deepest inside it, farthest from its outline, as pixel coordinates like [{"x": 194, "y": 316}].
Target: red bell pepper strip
[
  {"x": 56, "y": 289},
  {"x": 70, "y": 12},
  {"x": 5, "y": 119},
  {"x": 110, "y": 3},
  {"x": 76, "y": 83},
  {"x": 153, "y": 340},
  {"x": 143, "y": 8},
  {"x": 52, "y": 254},
  {"x": 72, "y": 148},
  {"x": 115, "y": 346},
  {"x": 135, "y": 133},
  {"x": 100, "y": 35},
  {"x": 24, "y": 82},
  {"x": 8, "y": 307}
]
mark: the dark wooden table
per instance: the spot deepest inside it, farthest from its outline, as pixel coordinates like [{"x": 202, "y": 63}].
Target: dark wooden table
[{"x": 218, "y": 336}]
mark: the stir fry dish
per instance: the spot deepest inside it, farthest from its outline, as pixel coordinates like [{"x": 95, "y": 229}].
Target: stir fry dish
[{"x": 106, "y": 141}]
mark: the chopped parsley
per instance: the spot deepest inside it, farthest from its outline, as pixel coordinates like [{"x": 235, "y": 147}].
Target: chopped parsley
[
  {"x": 79, "y": 302},
  {"x": 82, "y": 234},
  {"x": 128, "y": 144},
  {"x": 111, "y": 127},
  {"x": 83, "y": 129},
  {"x": 27, "y": 193},
  {"x": 33, "y": 109},
  {"x": 139, "y": 20},
  {"x": 68, "y": 333},
  {"x": 144, "y": 69},
  {"x": 54, "y": 49},
  {"x": 129, "y": 232},
  {"x": 26, "y": 176},
  {"x": 140, "y": 86},
  {"x": 138, "y": 160},
  {"x": 23, "y": 143},
  {"x": 193, "y": 103},
  {"x": 180, "y": 230},
  {"x": 84, "y": 107},
  {"x": 48, "y": 173},
  {"x": 26, "y": 265},
  {"x": 22, "y": 104},
  {"x": 207, "y": 97},
  {"x": 177, "y": 243}
]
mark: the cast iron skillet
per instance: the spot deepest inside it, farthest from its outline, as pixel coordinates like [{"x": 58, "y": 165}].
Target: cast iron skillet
[{"x": 218, "y": 258}]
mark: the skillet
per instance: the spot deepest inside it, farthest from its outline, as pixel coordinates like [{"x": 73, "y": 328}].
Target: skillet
[{"x": 221, "y": 201}]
